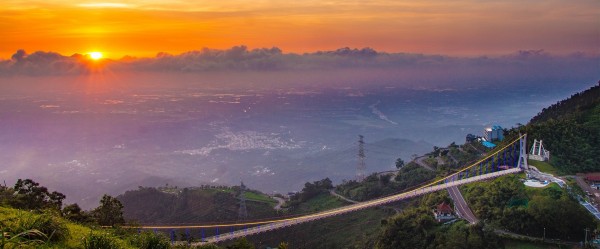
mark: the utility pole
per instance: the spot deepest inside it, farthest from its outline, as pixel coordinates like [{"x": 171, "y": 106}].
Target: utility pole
[
  {"x": 361, "y": 167},
  {"x": 544, "y": 238},
  {"x": 586, "y": 230},
  {"x": 242, "y": 212}
]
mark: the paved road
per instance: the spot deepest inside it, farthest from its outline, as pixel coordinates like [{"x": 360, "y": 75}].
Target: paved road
[
  {"x": 419, "y": 161},
  {"x": 332, "y": 192},
  {"x": 581, "y": 182},
  {"x": 594, "y": 198},
  {"x": 461, "y": 205},
  {"x": 280, "y": 202},
  {"x": 535, "y": 173},
  {"x": 591, "y": 208},
  {"x": 459, "y": 201}
]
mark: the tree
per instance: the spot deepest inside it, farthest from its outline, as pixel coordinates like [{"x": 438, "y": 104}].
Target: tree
[
  {"x": 56, "y": 199},
  {"x": 110, "y": 211},
  {"x": 6, "y": 195},
  {"x": 444, "y": 152},
  {"x": 325, "y": 183},
  {"x": 399, "y": 163},
  {"x": 436, "y": 151},
  {"x": 28, "y": 194},
  {"x": 74, "y": 213},
  {"x": 407, "y": 230}
]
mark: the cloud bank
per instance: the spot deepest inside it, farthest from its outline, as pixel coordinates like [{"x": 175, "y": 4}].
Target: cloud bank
[{"x": 366, "y": 61}]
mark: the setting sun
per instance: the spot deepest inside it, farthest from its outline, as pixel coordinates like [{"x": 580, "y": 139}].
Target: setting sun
[{"x": 96, "y": 55}]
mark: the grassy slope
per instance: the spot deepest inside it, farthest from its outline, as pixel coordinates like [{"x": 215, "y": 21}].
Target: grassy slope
[
  {"x": 76, "y": 232},
  {"x": 150, "y": 206},
  {"x": 251, "y": 195},
  {"x": 320, "y": 202},
  {"x": 531, "y": 191},
  {"x": 259, "y": 197},
  {"x": 544, "y": 167}
]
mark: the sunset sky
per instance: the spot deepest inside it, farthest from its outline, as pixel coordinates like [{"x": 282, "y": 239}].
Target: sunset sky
[{"x": 144, "y": 28}]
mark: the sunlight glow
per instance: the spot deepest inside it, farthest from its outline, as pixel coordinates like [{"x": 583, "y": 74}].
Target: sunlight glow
[
  {"x": 143, "y": 27},
  {"x": 104, "y": 5},
  {"x": 96, "y": 55}
]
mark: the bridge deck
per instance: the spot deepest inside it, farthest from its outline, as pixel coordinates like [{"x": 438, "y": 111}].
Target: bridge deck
[{"x": 350, "y": 208}]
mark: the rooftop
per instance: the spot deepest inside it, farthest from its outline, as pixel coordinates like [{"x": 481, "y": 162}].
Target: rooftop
[
  {"x": 595, "y": 177},
  {"x": 488, "y": 144},
  {"x": 444, "y": 208}
]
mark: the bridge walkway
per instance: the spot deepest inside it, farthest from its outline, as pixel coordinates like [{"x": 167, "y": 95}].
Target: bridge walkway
[{"x": 262, "y": 227}]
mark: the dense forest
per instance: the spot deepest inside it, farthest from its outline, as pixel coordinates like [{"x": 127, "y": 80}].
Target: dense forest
[
  {"x": 578, "y": 102},
  {"x": 570, "y": 130}
]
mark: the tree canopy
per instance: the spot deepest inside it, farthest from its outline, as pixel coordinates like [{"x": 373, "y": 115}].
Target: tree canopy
[
  {"x": 570, "y": 130},
  {"x": 28, "y": 194},
  {"x": 110, "y": 212}
]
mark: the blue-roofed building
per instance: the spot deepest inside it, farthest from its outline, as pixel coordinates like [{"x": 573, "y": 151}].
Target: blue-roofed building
[{"x": 488, "y": 144}]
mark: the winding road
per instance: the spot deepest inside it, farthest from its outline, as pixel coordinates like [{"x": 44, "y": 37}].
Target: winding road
[
  {"x": 460, "y": 205},
  {"x": 332, "y": 192},
  {"x": 280, "y": 202}
]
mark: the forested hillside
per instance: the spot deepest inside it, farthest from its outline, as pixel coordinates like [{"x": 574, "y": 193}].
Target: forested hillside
[
  {"x": 570, "y": 130},
  {"x": 578, "y": 102}
]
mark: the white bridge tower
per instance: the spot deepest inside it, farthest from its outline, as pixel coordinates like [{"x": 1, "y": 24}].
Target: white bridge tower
[
  {"x": 523, "y": 153},
  {"x": 538, "y": 152}
]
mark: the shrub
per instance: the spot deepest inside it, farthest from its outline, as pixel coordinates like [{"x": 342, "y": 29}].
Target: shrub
[
  {"x": 149, "y": 240},
  {"x": 99, "y": 241},
  {"x": 36, "y": 227},
  {"x": 21, "y": 239}
]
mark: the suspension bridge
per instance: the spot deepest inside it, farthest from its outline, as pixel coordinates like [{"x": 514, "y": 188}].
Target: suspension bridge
[{"x": 510, "y": 159}]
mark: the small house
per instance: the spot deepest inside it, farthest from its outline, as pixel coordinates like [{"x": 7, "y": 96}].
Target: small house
[
  {"x": 593, "y": 178},
  {"x": 443, "y": 212}
]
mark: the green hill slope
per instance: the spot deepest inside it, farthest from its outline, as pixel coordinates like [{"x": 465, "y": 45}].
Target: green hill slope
[
  {"x": 579, "y": 102},
  {"x": 570, "y": 130},
  {"x": 180, "y": 206}
]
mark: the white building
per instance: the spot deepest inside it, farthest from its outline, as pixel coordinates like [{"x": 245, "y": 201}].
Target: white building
[{"x": 493, "y": 133}]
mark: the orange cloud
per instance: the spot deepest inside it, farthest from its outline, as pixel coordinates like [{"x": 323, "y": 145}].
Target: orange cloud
[{"x": 143, "y": 28}]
